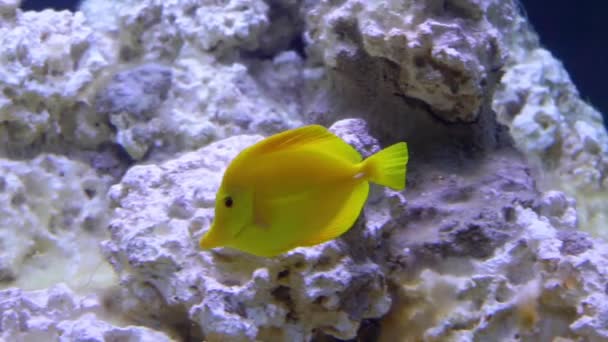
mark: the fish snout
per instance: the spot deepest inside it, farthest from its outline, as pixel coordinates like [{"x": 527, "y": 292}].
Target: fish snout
[{"x": 213, "y": 238}]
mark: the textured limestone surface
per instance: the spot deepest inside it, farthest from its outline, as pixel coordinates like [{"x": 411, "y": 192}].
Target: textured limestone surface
[
  {"x": 49, "y": 62},
  {"x": 58, "y": 314},
  {"x": 162, "y": 210},
  {"x": 158, "y": 29},
  {"x": 196, "y": 90},
  {"x": 555, "y": 128},
  {"x": 544, "y": 285},
  {"x": 153, "y": 85},
  {"x": 153, "y": 30},
  {"x": 444, "y": 54},
  {"x": 463, "y": 254},
  {"x": 151, "y": 99},
  {"x": 161, "y": 109},
  {"x": 387, "y": 57},
  {"x": 54, "y": 212}
]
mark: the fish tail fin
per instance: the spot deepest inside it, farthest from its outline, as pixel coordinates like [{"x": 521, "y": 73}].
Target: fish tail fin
[{"x": 388, "y": 167}]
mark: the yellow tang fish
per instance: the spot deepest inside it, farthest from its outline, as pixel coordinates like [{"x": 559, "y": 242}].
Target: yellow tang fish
[{"x": 297, "y": 188}]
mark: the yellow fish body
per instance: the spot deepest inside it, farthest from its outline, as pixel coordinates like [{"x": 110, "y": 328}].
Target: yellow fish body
[{"x": 297, "y": 188}]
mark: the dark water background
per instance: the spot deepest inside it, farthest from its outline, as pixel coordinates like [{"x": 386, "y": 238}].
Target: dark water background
[{"x": 571, "y": 30}]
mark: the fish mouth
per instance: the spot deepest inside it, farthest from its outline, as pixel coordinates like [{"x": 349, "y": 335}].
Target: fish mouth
[
  {"x": 213, "y": 238},
  {"x": 218, "y": 236}
]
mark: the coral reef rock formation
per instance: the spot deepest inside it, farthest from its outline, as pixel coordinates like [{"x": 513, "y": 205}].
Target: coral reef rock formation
[
  {"x": 117, "y": 122},
  {"x": 53, "y": 215},
  {"x": 131, "y": 97},
  {"x": 58, "y": 314},
  {"x": 181, "y": 55},
  {"x": 554, "y": 127},
  {"x": 50, "y": 61},
  {"x": 162, "y": 210},
  {"x": 543, "y": 285},
  {"x": 441, "y": 53}
]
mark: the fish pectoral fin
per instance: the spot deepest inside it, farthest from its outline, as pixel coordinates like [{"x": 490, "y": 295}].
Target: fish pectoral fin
[
  {"x": 260, "y": 218},
  {"x": 344, "y": 219},
  {"x": 261, "y": 224},
  {"x": 261, "y": 213}
]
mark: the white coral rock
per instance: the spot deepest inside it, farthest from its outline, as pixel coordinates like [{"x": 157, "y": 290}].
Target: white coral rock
[
  {"x": 53, "y": 216},
  {"x": 441, "y": 53},
  {"x": 160, "y": 213},
  {"x": 50, "y": 60},
  {"x": 58, "y": 314}
]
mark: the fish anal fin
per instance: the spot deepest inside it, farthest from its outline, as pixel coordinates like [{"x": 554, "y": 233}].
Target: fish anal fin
[
  {"x": 345, "y": 219},
  {"x": 313, "y": 136}
]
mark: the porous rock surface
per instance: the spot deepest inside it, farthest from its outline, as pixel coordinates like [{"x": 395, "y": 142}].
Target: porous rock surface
[
  {"x": 544, "y": 285},
  {"x": 156, "y": 87},
  {"x": 381, "y": 57},
  {"x": 54, "y": 211},
  {"x": 161, "y": 109},
  {"x": 469, "y": 251},
  {"x": 444, "y": 54},
  {"x": 53, "y": 277},
  {"x": 200, "y": 93},
  {"x": 463, "y": 254},
  {"x": 49, "y": 62},
  {"x": 58, "y": 314},
  {"x": 160, "y": 213},
  {"x": 157, "y": 29},
  {"x": 554, "y": 127}
]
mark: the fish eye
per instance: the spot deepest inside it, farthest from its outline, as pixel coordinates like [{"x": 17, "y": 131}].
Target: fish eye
[{"x": 228, "y": 202}]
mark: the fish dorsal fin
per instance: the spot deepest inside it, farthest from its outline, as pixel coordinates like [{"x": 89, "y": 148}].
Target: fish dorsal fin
[{"x": 307, "y": 136}]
